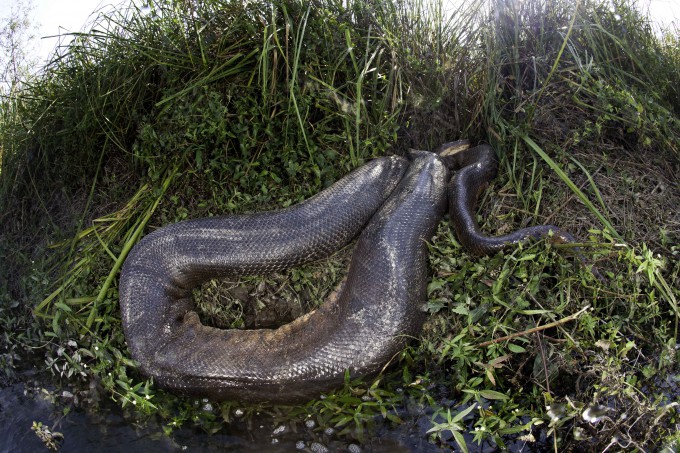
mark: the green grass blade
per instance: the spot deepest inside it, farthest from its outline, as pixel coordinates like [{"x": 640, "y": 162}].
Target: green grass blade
[
  {"x": 574, "y": 188},
  {"x": 127, "y": 247}
]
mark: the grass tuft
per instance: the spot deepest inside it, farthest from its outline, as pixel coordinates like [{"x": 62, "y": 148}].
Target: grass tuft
[{"x": 183, "y": 109}]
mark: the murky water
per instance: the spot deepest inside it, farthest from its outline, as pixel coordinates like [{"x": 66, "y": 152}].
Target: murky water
[
  {"x": 110, "y": 431},
  {"x": 82, "y": 432}
]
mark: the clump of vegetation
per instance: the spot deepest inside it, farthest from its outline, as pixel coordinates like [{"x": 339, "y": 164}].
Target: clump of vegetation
[
  {"x": 189, "y": 109},
  {"x": 51, "y": 439}
]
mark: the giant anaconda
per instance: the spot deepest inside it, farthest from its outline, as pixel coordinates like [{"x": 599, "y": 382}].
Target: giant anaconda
[{"x": 392, "y": 203}]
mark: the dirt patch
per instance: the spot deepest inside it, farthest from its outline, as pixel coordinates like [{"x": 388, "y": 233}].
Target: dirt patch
[{"x": 641, "y": 191}]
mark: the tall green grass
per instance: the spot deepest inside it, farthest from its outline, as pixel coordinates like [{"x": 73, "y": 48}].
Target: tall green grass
[{"x": 186, "y": 109}]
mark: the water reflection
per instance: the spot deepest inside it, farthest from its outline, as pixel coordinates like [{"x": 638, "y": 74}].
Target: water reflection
[{"x": 110, "y": 431}]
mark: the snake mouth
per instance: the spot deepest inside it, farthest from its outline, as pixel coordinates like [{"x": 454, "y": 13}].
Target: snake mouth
[{"x": 451, "y": 148}]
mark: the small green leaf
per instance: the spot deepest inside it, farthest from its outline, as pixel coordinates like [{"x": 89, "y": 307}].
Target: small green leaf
[
  {"x": 493, "y": 395},
  {"x": 529, "y": 257},
  {"x": 460, "y": 309},
  {"x": 434, "y": 285},
  {"x": 63, "y": 307},
  {"x": 460, "y": 415},
  {"x": 533, "y": 312},
  {"x": 516, "y": 348},
  {"x": 394, "y": 418},
  {"x": 460, "y": 440}
]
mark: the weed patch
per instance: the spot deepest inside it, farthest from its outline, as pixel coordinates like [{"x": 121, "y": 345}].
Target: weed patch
[{"x": 192, "y": 109}]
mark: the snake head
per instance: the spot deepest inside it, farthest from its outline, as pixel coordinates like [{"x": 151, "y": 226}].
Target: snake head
[{"x": 451, "y": 148}]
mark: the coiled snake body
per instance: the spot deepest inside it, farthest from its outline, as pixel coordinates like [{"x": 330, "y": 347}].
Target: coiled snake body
[{"x": 394, "y": 203}]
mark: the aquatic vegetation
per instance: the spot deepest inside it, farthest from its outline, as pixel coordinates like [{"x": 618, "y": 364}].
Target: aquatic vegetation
[{"x": 192, "y": 109}]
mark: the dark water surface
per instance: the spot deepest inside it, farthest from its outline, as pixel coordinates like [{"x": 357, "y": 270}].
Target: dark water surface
[
  {"x": 82, "y": 432},
  {"x": 110, "y": 431}
]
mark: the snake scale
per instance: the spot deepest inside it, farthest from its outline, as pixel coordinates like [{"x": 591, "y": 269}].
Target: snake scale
[{"x": 392, "y": 204}]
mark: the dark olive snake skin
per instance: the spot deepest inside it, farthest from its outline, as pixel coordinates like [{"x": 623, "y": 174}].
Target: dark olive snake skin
[
  {"x": 476, "y": 168},
  {"x": 392, "y": 203}
]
